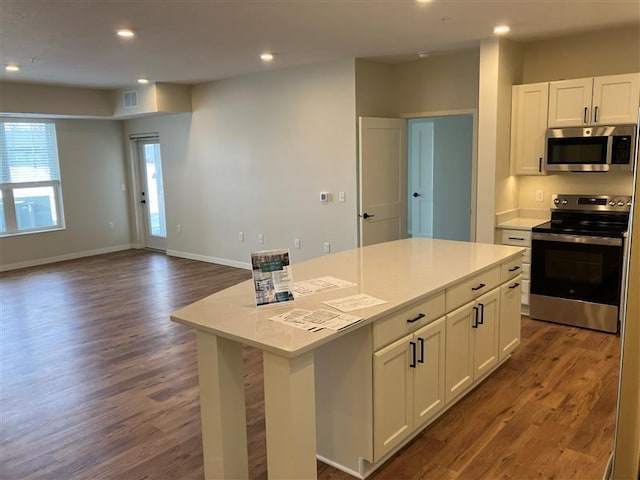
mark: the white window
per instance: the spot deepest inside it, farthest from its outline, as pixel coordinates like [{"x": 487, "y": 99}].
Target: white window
[{"x": 30, "y": 192}]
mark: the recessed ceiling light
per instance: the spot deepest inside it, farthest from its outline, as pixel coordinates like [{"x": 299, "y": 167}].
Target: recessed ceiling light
[
  {"x": 266, "y": 56},
  {"x": 424, "y": 54},
  {"x": 501, "y": 29},
  {"x": 143, "y": 81},
  {"x": 12, "y": 67},
  {"x": 125, "y": 32},
  {"x": 423, "y": 1}
]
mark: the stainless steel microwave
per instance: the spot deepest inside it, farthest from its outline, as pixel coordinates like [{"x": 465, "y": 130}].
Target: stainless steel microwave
[{"x": 590, "y": 149}]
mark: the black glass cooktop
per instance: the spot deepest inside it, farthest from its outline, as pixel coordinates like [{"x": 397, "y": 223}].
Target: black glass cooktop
[{"x": 586, "y": 224}]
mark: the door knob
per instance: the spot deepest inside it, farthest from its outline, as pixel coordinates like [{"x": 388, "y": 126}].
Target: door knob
[
  {"x": 366, "y": 215},
  {"x": 416, "y": 195},
  {"x": 143, "y": 201}
]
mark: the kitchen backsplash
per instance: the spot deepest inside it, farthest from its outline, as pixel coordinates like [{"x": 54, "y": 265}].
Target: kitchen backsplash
[{"x": 575, "y": 183}]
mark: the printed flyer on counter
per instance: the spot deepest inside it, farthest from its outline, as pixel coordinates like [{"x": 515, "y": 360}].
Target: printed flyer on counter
[
  {"x": 314, "y": 321},
  {"x": 272, "y": 277}
]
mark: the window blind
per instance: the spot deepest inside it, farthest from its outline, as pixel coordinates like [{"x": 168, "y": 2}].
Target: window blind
[{"x": 28, "y": 152}]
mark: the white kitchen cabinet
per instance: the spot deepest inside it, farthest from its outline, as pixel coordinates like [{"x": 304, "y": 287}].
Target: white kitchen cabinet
[
  {"x": 510, "y": 319},
  {"x": 529, "y": 109},
  {"x": 607, "y": 100},
  {"x": 472, "y": 343},
  {"x": 486, "y": 331},
  {"x": 408, "y": 385},
  {"x": 521, "y": 238}
]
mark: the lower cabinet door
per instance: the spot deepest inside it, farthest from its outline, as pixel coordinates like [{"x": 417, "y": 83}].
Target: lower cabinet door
[
  {"x": 485, "y": 347},
  {"x": 459, "y": 351},
  {"x": 393, "y": 395},
  {"x": 428, "y": 377},
  {"x": 510, "y": 319}
]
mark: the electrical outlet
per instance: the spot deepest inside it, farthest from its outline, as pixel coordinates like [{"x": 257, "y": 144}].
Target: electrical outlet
[
  {"x": 342, "y": 197},
  {"x": 241, "y": 236},
  {"x": 111, "y": 225},
  {"x": 539, "y": 195},
  {"x": 124, "y": 187},
  {"x": 327, "y": 247},
  {"x": 324, "y": 197},
  {"x": 296, "y": 243},
  {"x": 260, "y": 238},
  {"x": 179, "y": 228}
]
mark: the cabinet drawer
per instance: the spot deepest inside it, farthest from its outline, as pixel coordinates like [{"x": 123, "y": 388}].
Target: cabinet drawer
[
  {"x": 472, "y": 288},
  {"x": 398, "y": 325},
  {"x": 519, "y": 238},
  {"x": 510, "y": 269}
]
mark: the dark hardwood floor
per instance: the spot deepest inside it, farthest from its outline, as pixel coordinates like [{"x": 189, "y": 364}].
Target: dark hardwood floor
[{"x": 97, "y": 383}]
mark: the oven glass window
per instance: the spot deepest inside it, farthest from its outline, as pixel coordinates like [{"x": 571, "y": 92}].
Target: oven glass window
[
  {"x": 575, "y": 151},
  {"x": 578, "y": 271}
]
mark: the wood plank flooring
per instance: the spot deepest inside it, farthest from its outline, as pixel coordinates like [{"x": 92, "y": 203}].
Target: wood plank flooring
[{"x": 97, "y": 383}]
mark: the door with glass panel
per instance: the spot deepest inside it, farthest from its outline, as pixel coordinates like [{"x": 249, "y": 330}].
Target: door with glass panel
[{"x": 152, "y": 194}]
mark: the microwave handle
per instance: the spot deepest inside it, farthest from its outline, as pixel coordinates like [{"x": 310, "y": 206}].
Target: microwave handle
[
  {"x": 595, "y": 114},
  {"x": 586, "y": 112},
  {"x": 540, "y": 165}
]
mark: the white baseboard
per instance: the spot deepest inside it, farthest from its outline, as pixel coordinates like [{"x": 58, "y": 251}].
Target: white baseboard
[
  {"x": 68, "y": 256},
  {"x": 205, "y": 258}
]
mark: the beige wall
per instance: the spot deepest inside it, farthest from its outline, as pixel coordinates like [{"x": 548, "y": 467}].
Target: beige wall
[
  {"x": 254, "y": 156},
  {"x": 92, "y": 168},
  {"x": 509, "y": 74},
  {"x": 374, "y": 88},
  {"x": 603, "y": 52},
  {"x": 441, "y": 82},
  {"x": 25, "y": 98}
]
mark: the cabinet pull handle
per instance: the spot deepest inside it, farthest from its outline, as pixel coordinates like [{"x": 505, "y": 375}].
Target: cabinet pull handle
[
  {"x": 586, "y": 111},
  {"x": 514, "y": 285},
  {"x": 517, "y": 238},
  {"x": 475, "y": 289},
  {"x": 413, "y": 355},
  {"x": 421, "y": 342},
  {"x": 595, "y": 115},
  {"x": 514, "y": 268},
  {"x": 411, "y": 320},
  {"x": 481, "y": 322},
  {"x": 540, "y": 165},
  {"x": 475, "y": 317}
]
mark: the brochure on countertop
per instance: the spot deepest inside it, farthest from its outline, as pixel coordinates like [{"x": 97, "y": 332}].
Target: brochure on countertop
[
  {"x": 314, "y": 321},
  {"x": 272, "y": 278}
]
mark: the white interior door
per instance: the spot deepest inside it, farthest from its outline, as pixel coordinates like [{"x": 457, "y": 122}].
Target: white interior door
[
  {"x": 382, "y": 179},
  {"x": 420, "y": 198},
  {"x": 152, "y": 194}
]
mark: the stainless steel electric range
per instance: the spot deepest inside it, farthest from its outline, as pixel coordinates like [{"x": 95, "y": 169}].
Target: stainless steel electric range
[{"x": 577, "y": 262}]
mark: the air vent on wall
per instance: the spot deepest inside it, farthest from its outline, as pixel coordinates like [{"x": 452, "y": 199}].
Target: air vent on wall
[{"x": 130, "y": 98}]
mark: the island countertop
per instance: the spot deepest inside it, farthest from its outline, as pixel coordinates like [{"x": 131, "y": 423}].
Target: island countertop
[{"x": 400, "y": 272}]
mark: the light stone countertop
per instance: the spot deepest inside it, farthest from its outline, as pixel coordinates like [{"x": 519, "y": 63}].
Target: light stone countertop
[
  {"x": 522, "y": 223},
  {"x": 400, "y": 272}
]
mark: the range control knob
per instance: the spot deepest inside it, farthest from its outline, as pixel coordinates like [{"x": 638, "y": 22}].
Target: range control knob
[
  {"x": 564, "y": 202},
  {"x": 556, "y": 201},
  {"x": 621, "y": 203},
  {"x": 612, "y": 203},
  {"x": 628, "y": 204}
]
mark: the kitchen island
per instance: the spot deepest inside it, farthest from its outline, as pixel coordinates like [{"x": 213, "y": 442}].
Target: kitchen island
[{"x": 354, "y": 397}]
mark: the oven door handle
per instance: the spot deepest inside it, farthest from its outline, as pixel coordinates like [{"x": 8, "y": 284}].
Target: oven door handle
[{"x": 586, "y": 239}]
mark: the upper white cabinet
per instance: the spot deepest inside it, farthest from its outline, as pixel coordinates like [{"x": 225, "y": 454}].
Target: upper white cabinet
[
  {"x": 528, "y": 125},
  {"x": 608, "y": 100}
]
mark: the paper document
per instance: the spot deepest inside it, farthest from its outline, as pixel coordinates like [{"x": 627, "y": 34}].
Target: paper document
[
  {"x": 355, "y": 302},
  {"x": 314, "y": 321},
  {"x": 319, "y": 285}
]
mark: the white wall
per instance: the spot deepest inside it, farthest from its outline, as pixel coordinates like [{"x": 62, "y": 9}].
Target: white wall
[
  {"x": 254, "y": 156},
  {"x": 92, "y": 168}
]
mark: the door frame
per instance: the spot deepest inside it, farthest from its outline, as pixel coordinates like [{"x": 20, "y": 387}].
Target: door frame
[
  {"x": 474, "y": 155},
  {"x": 137, "y": 212}
]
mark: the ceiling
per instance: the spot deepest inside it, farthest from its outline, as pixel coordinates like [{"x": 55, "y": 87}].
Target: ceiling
[{"x": 73, "y": 42}]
